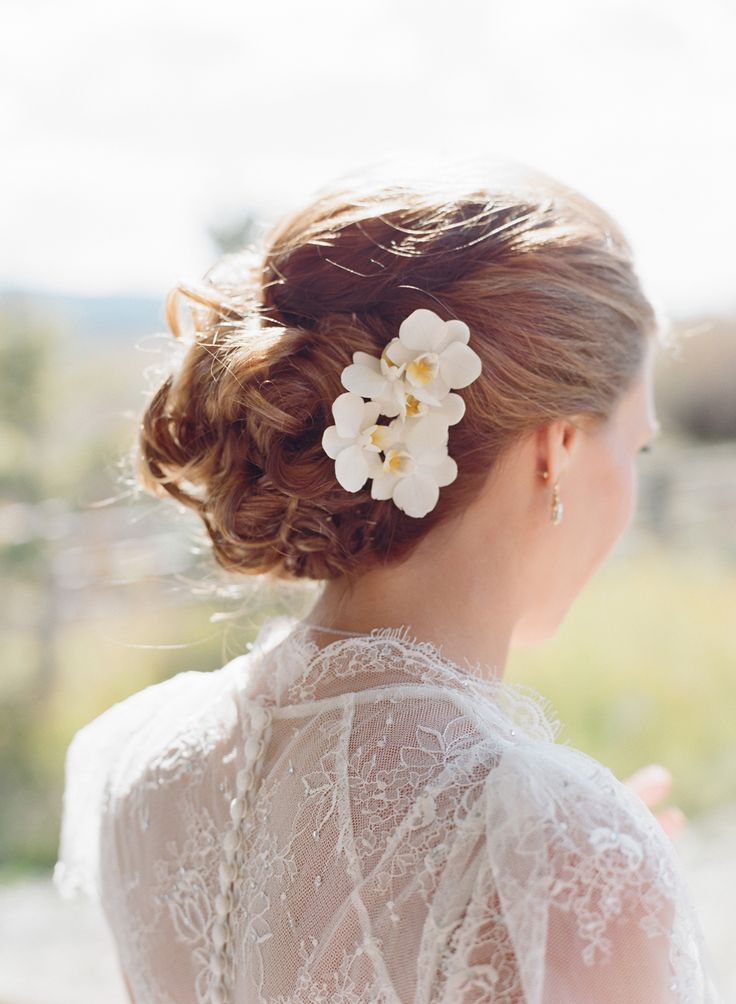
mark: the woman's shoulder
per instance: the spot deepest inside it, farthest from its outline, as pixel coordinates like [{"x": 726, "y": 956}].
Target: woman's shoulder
[
  {"x": 578, "y": 798},
  {"x": 143, "y": 713},
  {"x": 155, "y": 727},
  {"x": 495, "y": 748},
  {"x": 592, "y": 835}
]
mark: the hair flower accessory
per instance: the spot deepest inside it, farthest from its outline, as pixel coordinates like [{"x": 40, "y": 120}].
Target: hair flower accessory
[{"x": 411, "y": 383}]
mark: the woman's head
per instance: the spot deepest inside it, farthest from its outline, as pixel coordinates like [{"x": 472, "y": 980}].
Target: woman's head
[{"x": 542, "y": 277}]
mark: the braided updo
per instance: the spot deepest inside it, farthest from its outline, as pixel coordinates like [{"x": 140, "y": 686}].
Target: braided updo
[{"x": 542, "y": 276}]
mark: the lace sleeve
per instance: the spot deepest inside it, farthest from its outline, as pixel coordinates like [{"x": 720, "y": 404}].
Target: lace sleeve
[
  {"x": 91, "y": 756},
  {"x": 592, "y": 895}
]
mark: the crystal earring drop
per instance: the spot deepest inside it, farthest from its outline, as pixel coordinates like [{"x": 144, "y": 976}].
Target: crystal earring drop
[{"x": 557, "y": 507}]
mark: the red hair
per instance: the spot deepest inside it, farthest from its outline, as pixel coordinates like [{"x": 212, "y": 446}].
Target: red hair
[{"x": 542, "y": 276}]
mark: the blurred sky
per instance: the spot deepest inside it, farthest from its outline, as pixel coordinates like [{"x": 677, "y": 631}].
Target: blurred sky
[{"x": 129, "y": 128}]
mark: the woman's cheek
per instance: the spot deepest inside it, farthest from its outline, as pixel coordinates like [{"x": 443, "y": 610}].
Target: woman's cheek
[
  {"x": 619, "y": 490},
  {"x": 628, "y": 494}
]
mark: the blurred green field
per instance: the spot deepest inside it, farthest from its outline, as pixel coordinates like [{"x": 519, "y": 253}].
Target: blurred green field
[{"x": 644, "y": 670}]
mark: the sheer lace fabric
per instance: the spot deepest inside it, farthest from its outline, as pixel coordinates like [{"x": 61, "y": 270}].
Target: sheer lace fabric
[{"x": 369, "y": 822}]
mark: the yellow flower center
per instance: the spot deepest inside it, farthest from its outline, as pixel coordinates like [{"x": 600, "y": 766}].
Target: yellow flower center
[
  {"x": 374, "y": 437},
  {"x": 423, "y": 369},
  {"x": 413, "y": 406},
  {"x": 398, "y": 462}
]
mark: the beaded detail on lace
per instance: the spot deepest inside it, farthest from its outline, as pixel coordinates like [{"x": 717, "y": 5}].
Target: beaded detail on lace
[{"x": 234, "y": 850}]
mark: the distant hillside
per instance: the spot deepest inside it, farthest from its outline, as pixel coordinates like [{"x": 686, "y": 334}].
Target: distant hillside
[{"x": 88, "y": 318}]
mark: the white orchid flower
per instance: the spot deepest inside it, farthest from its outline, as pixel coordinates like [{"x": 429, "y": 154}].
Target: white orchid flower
[
  {"x": 416, "y": 464},
  {"x": 411, "y": 383},
  {"x": 379, "y": 379},
  {"x": 383, "y": 381},
  {"x": 354, "y": 441},
  {"x": 432, "y": 356},
  {"x": 451, "y": 408}
]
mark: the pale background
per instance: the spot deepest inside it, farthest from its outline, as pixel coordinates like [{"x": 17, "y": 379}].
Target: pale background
[{"x": 142, "y": 138}]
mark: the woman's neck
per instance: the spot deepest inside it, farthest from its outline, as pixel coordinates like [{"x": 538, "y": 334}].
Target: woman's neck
[{"x": 468, "y": 615}]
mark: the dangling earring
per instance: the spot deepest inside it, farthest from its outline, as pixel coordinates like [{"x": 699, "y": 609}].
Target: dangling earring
[{"x": 557, "y": 507}]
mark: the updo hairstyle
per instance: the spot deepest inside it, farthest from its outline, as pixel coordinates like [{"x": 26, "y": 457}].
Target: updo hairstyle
[{"x": 542, "y": 276}]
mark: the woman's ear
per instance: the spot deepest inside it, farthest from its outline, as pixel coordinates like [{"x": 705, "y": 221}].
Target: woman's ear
[
  {"x": 558, "y": 442},
  {"x": 551, "y": 448}
]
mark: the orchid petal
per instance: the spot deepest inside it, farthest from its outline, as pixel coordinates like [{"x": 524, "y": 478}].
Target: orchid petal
[
  {"x": 433, "y": 393},
  {"x": 348, "y": 411},
  {"x": 458, "y": 331},
  {"x": 422, "y": 330},
  {"x": 397, "y": 352},
  {"x": 362, "y": 380},
  {"x": 426, "y": 433},
  {"x": 452, "y": 408},
  {"x": 459, "y": 365},
  {"x": 364, "y": 359},
  {"x": 431, "y": 457},
  {"x": 389, "y": 406},
  {"x": 382, "y": 487},
  {"x": 351, "y": 468},
  {"x": 416, "y": 494},
  {"x": 445, "y": 472},
  {"x": 333, "y": 443},
  {"x": 371, "y": 411},
  {"x": 375, "y": 464}
]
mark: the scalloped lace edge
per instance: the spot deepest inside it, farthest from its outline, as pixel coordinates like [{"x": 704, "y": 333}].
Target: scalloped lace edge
[{"x": 293, "y": 634}]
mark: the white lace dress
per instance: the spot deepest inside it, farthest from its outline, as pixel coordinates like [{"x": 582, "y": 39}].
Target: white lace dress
[{"x": 369, "y": 822}]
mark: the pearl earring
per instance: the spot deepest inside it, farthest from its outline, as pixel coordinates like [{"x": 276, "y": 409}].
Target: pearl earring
[{"x": 557, "y": 507}]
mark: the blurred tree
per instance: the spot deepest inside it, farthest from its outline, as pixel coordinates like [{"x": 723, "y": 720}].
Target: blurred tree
[
  {"x": 696, "y": 393},
  {"x": 27, "y": 399},
  {"x": 26, "y": 349}
]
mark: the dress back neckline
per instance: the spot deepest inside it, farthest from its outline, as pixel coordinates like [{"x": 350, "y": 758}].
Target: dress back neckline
[{"x": 292, "y": 668}]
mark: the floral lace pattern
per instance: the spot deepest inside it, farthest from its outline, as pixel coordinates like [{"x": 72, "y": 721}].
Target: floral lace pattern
[{"x": 364, "y": 822}]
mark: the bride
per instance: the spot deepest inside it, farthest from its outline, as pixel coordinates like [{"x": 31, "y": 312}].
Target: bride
[{"x": 429, "y": 398}]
